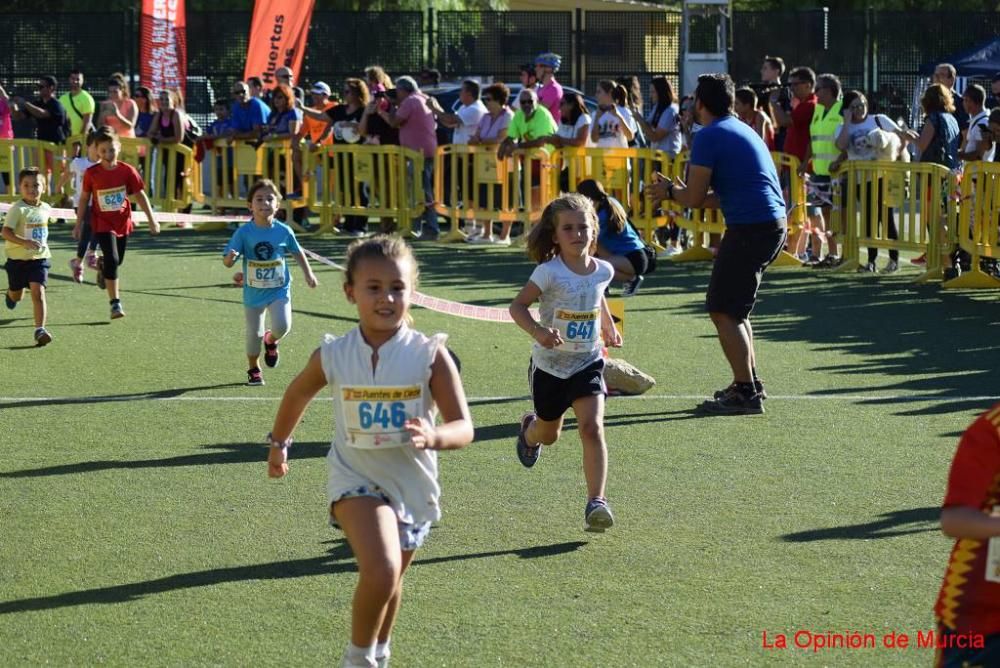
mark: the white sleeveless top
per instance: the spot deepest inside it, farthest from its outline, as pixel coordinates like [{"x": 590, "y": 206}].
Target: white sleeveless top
[{"x": 370, "y": 447}]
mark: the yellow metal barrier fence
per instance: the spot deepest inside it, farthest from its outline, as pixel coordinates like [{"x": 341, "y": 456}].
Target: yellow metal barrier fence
[
  {"x": 623, "y": 173},
  {"x": 17, "y": 154},
  {"x": 978, "y": 218},
  {"x": 483, "y": 187},
  {"x": 918, "y": 195},
  {"x": 367, "y": 180}
]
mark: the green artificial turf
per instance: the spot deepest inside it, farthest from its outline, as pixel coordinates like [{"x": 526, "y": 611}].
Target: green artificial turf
[{"x": 139, "y": 527}]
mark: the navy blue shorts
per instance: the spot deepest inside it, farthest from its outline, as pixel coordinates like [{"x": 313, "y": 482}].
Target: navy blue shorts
[
  {"x": 553, "y": 396},
  {"x": 958, "y": 655},
  {"x": 22, "y": 272}
]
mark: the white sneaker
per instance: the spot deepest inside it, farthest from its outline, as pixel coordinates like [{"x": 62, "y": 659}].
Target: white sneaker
[
  {"x": 497, "y": 241},
  {"x": 474, "y": 232},
  {"x": 669, "y": 251},
  {"x": 479, "y": 241}
]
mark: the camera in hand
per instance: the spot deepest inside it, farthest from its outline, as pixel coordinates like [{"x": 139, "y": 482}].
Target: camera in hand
[
  {"x": 386, "y": 94},
  {"x": 765, "y": 89}
]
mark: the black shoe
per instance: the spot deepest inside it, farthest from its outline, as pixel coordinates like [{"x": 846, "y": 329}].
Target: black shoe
[
  {"x": 734, "y": 402},
  {"x": 757, "y": 384},
  {"x": 952, "y": 272},
  {"x": 868, "y": 268},
  {"x": 527, "y": 454}
]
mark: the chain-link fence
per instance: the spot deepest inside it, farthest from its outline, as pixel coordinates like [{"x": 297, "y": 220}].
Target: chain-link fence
[{"x": 879, "y": 52}]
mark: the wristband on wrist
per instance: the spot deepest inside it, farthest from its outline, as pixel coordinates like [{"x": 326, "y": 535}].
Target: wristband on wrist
[{"x": 287, "y": 443}]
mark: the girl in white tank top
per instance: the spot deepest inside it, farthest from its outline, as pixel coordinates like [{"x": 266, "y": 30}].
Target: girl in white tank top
[{"x": 388, "y": 382}]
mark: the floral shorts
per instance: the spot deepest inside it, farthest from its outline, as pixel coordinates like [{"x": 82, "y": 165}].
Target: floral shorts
[{"x": 411, "y": 536}]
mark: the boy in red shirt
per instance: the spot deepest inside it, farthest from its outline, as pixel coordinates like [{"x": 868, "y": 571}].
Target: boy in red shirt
[
  {"x": 111, "y": 183},
  {"x": 968, "y": 606}
]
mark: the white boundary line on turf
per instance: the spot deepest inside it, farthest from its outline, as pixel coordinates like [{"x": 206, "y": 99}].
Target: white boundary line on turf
[{"x": 478, "y": 400}]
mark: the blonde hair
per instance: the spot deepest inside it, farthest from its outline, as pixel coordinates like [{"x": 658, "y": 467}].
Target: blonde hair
[
  {"x": 937, "y": 97},
  {"x": 377, "y": 74},
  {"x": 541, "y": 244}
]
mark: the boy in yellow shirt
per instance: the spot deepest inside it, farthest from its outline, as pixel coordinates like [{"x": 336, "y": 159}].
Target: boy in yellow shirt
[{"x": 25, "y": 233}]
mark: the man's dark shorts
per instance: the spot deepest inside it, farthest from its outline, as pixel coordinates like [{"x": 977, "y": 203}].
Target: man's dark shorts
[
  {"x": 22, "y": 272},
  {"x": 744, "y": 254}
]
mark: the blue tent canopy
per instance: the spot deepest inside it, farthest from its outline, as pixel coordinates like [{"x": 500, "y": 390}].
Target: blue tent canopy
[{"x": 981, "y": 61}]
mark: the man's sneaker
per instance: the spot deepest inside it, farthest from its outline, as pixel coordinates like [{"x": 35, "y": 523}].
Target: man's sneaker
[
  {"x": 891, "y": 267},
  {"x": 829, "y": 262},
  {"x": 669, "y": 251},
  {"x": 116, "y": 311},
  {"x": 100, "y": 274},
  {"x": 757, "y": 384},
  {"x": 8, "y": 301},
  {"x": 867, "y": 268},
  {"x": 426, "y": 235},
  {"x": 597, "y": 516},
  {"x": 77, "y": 268},
  {"x": 527, "y": 454},
  {"x": 42, "y": 337},
  {"x": 254, "y": 377},
  {"x": 632, "y": 286},
  {"x": 734, "y": 402},
  {"x": 270, "y": 351}
]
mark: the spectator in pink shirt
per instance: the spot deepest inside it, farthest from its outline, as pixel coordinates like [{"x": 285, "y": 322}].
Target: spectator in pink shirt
[
  {"x": 6, "y": 126},
  {"x": 416, "y": 126},
  {"x": 549, "y": 91}
]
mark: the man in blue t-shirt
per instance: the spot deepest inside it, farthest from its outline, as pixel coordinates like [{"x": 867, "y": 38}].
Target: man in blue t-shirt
[
  {"x": 248, "y": 114},
  {"x": 731, "y": 169}
]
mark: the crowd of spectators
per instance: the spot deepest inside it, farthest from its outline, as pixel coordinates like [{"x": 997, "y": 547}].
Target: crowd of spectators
[{"x": 797, "y": 112}]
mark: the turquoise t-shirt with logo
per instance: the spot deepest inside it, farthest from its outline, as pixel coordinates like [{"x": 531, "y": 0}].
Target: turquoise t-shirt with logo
[{"x": 265, "y": 252}]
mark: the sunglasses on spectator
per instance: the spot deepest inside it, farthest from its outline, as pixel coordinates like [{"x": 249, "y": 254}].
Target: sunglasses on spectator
[{"x": 528, "y": 102}]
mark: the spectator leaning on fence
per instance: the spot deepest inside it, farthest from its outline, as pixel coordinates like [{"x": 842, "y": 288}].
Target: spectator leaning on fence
[
  {"x": 248, "y": 113},
  {"x": 662, "y": 123},
  {"x": 855, "y": 137},
  {"x": 938, "y": 143},
  {"x": 801, "y": 84},
  {"x": 416, "y": 131},
  {"x": 550, "y": 92},
  {"x": 147, "y": 107},
  {"x": 465, "y": 121},
  {"x": 119, "y": 111},
  {"x": 492, "y": 131},
  {"x": 731, "y": 160},
  {"x": 79, "y": 105},
  {"x": 49, "y": 116},
  {"x": 614, "y": 126},
  {"x": 821, "y": 152},
  {"x": 312, "y": 128},
  {"x": 946, "y": 75},
  {"x": 976, "y": 146}
]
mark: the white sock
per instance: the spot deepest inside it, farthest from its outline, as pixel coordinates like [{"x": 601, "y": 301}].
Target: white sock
[
  {"x": 359, "y": 657},
  {"x": 382, "y": 654}
]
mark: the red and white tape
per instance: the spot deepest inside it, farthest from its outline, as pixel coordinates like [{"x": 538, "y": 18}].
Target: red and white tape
[
  {"x": 446, "y": 306},
  {"x": 140, "y": 217}
]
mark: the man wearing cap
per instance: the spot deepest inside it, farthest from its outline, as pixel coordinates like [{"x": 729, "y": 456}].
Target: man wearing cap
[
  {"x": 549, "y": 91},
  {"x": 312, "y": 129},
  {"x": 416, "y": 131},
  {"x": 248, "y": 114}
]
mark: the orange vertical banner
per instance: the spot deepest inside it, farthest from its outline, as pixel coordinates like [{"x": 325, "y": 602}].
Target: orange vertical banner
[
  {"x": 163, "y": 45},
  {"x": 277, "y": 38}
]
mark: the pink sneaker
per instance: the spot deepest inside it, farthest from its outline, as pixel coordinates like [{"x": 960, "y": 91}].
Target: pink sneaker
[
  {"x": 77, "y": 268},
  {"x": 92, "y": 260}
]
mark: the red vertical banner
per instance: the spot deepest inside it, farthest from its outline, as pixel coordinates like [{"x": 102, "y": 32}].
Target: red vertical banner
[
  {"x": 278, "y": 35},
  {"x": 163, "y": 50}
]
